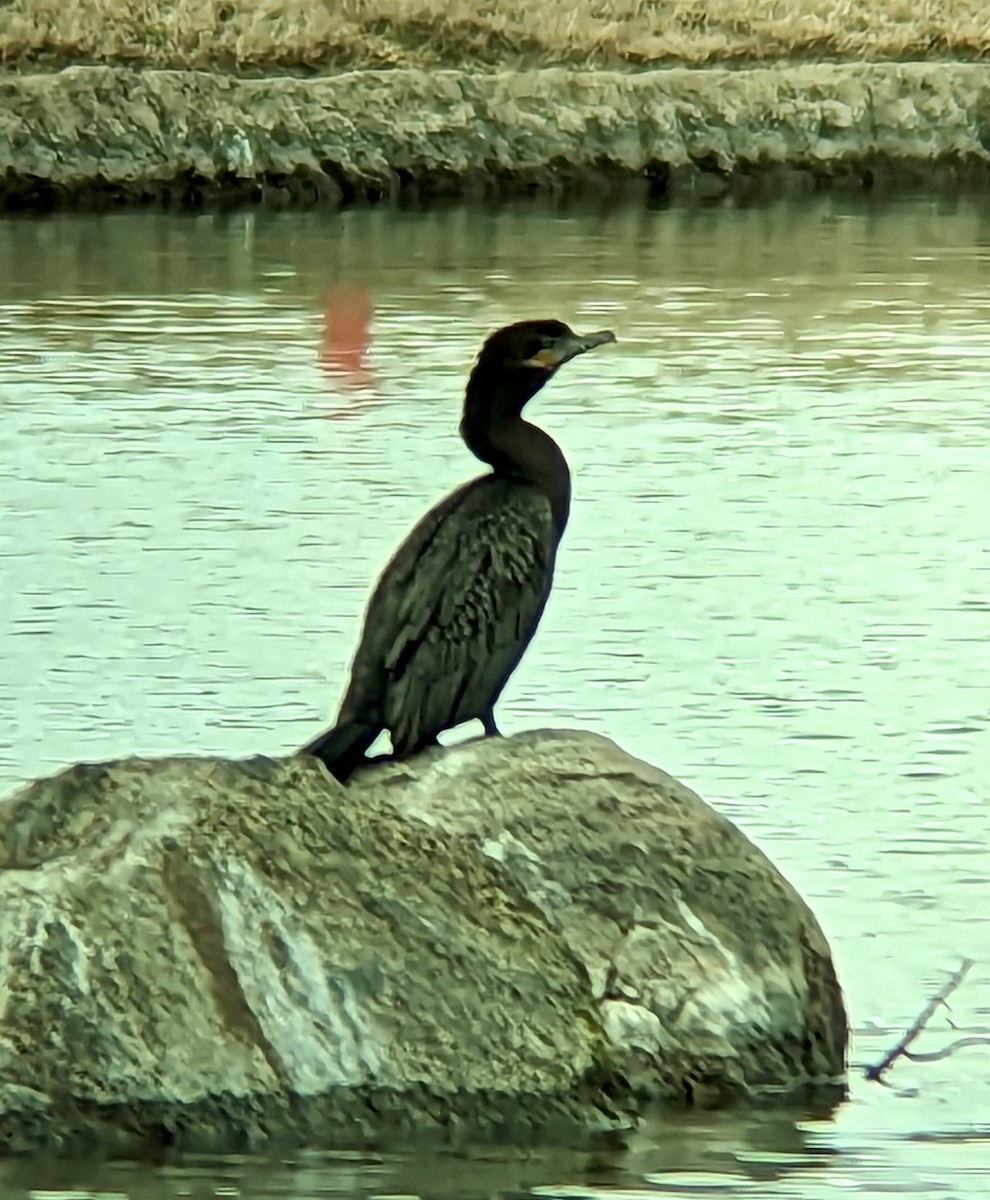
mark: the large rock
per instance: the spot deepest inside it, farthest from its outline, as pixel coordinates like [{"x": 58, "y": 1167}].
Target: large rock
[
  {"x": 320, "y": 139},
  {"x": 507, "y": 936}
]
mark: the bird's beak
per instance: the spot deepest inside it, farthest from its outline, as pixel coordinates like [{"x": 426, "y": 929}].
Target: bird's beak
[{"x": 567, "y": 347}]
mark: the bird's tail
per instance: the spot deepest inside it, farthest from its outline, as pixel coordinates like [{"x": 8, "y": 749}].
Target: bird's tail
[{"x": 342, "y": 748}]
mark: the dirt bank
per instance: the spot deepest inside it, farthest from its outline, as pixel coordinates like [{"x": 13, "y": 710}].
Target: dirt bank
[
  {"x": 115, "y": 134},
  {"x": 319, "y": 101}
]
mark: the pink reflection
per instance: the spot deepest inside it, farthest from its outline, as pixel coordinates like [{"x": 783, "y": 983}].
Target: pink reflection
[{"x": 347, "y": 314}]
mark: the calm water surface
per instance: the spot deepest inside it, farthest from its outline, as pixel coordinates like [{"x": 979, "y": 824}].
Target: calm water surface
[{"x": 775, "y": 584}]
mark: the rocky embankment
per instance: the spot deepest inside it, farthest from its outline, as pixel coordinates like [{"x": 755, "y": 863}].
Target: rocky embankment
[
  {"x": 512, "y": 937},
  {"x": 110, "y": 134}
]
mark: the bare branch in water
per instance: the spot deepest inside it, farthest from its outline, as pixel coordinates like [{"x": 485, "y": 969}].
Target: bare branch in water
[
  {"x": 875, "y": 1073},
  {"x": 976, "y": 1039}
]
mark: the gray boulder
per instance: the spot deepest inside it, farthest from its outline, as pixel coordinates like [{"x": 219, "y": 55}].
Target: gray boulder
[{"x": 510, "y": 937}]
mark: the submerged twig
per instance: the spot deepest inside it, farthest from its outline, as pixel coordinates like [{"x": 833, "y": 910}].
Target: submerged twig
[
  {"x": 976, "y": 1039},
  {"x": 875, "y": 1073}
]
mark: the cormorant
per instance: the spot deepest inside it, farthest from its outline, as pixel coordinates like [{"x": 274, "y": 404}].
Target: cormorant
[{"x": 458, "y": 603}]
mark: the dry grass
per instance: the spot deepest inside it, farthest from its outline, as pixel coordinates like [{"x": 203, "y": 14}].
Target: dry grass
[{"x": 310, "y": 34}]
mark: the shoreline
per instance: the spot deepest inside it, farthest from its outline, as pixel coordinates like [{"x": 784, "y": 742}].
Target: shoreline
[{"x": 116, "y": 136}]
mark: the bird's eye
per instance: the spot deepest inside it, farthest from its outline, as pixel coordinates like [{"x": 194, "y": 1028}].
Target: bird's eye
[{"x": 547, "y": 342}]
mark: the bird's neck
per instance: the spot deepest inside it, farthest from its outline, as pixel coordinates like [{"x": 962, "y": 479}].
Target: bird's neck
[{"x": 515, "y": 449}]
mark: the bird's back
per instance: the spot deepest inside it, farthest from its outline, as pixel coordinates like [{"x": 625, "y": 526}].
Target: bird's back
[{"x": 454, "y": 611}]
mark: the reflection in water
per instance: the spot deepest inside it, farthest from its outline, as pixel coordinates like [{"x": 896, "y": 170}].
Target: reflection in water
[
  {"x": 347, "y": 316},
  {"x": 775, "y": 583}
]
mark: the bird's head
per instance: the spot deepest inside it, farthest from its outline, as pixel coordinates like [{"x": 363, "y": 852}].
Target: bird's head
[{"x": 515, "y": 362}]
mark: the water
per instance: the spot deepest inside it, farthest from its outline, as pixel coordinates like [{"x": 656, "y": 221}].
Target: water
[{"x": 775, "y": 584}]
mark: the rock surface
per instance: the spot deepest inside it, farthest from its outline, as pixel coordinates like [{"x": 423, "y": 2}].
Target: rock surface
[
  {"x": 503, "y": 938},
  {"x": 134, "y": 135}
]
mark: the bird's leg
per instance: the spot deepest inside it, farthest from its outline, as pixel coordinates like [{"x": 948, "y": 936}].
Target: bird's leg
[{"x": 488, "y": 720}]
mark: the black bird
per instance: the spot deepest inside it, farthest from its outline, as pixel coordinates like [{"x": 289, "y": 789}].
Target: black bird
[{"x": 456, "y": 607}]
